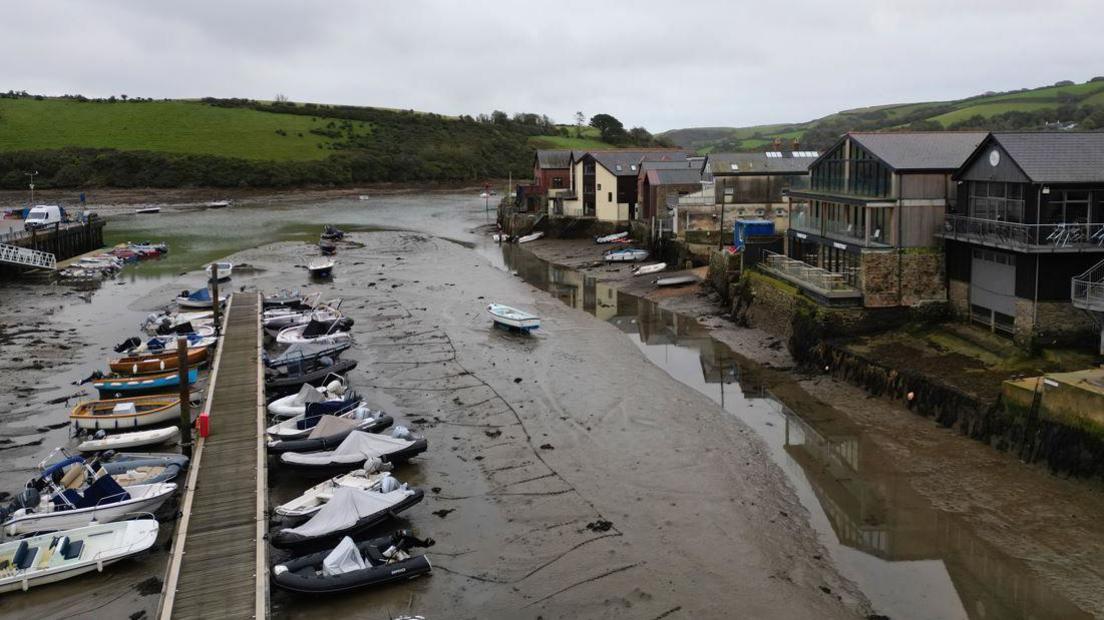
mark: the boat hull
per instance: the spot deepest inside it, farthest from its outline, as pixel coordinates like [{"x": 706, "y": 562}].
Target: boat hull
[
  {"x": 119, "y": 387},
  {"x": 70, "y": 519},
  {"x": 82, "y": 417},
  {"x": 131, "y": 440},
  {"x": 154, "y": 364}
]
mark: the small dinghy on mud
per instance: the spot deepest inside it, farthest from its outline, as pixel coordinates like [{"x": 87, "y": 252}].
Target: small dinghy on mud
[
  {"x": 512, "y": 318},
  {"x": 290, "y": 379},
  {"x": 332, "y": 232},
  {"x": 121, "y": 441},
  {"x": 49, "y": 558},
  {"x": 318, "y": 332},
  {"x": 397, "y": 446},
  {"x": 625, "y": 255},
  {"x": 349, "y": 512},
  {"x": 644, "y": 270},
  {"x": 366, "y": 478},
  {"x": 225, "y": 268},
  {"x": 329, "y": 431},
  {"x": 611, "y": 238},
  {"x": 677, "y": 281},
  {"x": 350, "y": 566},
  {"x": 321, "y": 267}
]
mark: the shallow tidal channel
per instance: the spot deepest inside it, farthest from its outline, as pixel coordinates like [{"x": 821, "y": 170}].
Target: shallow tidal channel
[{"x": 428, "y": 361}]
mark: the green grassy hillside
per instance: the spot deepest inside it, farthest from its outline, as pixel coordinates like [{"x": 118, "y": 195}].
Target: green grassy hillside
[
  {"x": 161, "y": 126},
  {"x": 1081, "y": 104}
]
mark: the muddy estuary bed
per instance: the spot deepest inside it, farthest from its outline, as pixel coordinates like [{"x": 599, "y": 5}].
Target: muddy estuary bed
[{"x": 621, "y": 463}]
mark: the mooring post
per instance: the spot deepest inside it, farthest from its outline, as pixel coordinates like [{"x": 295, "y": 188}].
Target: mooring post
[
  {"x": 185, "y": 395},
  {"x": 215, "y": 298}
]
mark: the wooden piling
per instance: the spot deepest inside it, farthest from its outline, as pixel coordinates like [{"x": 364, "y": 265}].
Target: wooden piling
[{"x": 185, "y": 395}]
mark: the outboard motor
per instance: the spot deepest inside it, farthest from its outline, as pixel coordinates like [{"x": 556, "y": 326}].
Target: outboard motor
[
  {"x": 96, "y": 374},
  {"x": 402, "y": 432},
  {"x": 27, "y": 501},
  {"x": 376, "y": 465},
  {"x": 128, "y": 344},
  {"x": 100, "y": 434},
  {"x": 389, "y": 484},
  {"x": 325, "y": 361},
  {"x": 344, "y": 324}
]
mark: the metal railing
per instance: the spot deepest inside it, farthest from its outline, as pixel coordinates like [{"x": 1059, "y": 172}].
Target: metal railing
[
  {"x": 1087, "y": 289},
  {"x": 1051, "y": 235},
  {"x": 804, "y": 273},
  {"x": 27, "y": 257}
]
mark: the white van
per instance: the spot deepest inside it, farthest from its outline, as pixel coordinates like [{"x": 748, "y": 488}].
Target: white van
[{"x": 41, "y": 216}]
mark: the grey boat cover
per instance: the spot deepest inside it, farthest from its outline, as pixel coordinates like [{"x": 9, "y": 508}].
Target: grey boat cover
[
  {"x": 303, "y": 350},
  {"x": 348, "y": 506},
  {"x": 357, "y": 448},
  {"x": 331, "y": 425},
  {"x": 307, "y": 394},
  {"x": 345, "y": 558}
]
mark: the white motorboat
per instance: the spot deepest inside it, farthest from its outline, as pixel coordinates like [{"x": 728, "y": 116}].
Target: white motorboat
[
  {"x": 225, "y": 268},
  {"x": 103, "y": 501},
  {"x": 318, "y": 332},
  {"x": 49, "y": 558},
  {"x": 278, "y": 321},
  {"x": 294, "y": 405},
  {"x": 611, "y": 238},
  {"x": 169, "y": 321},
  {"x": 135, "y": 439},
  {"x": 321, "y": 266},
  {"x": 513, "y": 318},
  {"x": 644, "y": 270},
  {"x": 625, "y": 255},
  {"x": 530, "y": 237},
  {"x": 218, "y": 204},
  {"x": 147, "y": 210},
  {"x": 313, "y": 498},
  {"x": 127, "y": 413}
]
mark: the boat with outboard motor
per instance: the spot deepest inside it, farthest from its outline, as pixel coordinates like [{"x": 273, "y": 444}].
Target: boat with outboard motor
[
  {"x": 329, "y": 431},
  {"x": 289, "y": 379},
  {"x": 311, "y": 500},
  {"x": 307, "y": 352},
  {"x": 119, "y": 386},
  {"x": 294, "y": 405},
  {"x": 52, "y": 557},
  {"x": 351, "y": 566},
  {"x": 318, "y": 331},
  {"x": 349, "y": 512},
  {"x": 199, "y": 298},
  {"x": 321, "y": 267},
  {"x": 134, "y": 439}
]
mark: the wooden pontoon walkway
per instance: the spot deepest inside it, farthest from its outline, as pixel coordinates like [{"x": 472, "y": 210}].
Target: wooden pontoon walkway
[{"x": 219, "y": 565}]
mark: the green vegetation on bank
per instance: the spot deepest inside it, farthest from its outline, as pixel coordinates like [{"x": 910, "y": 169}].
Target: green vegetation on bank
[{"x": 1064, "y": 105}]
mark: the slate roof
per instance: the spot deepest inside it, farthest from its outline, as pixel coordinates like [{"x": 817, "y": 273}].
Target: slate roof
[
  {"x": 1056, "y": 157},
  {"x": 553, "y": 158},
  {"x": 921, "y": 150},
  {"x": 629, "y": 160},
  {"x": 720, "y": 164},
  {"x": 674, "y": 176}
]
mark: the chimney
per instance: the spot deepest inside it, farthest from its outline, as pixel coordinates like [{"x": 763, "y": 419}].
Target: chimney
[
  {"x": 796, "y": 145},
  {"x": 777, "y": 144}
]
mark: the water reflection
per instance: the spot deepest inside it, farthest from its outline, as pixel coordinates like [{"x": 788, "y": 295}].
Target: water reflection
[{"x": 910, "y": 558}]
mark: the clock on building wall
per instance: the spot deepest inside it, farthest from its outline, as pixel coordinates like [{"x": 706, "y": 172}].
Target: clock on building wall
[{"x": 994, "y": 157}]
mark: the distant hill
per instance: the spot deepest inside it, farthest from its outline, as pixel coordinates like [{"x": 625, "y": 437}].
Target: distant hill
[
  {"x": 77, "y": 142},
  {"x": 1064, "y": 105}
]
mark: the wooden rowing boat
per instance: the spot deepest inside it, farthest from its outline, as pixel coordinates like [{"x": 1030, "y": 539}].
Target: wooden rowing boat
[
  {"x": 151, "y": 364},
  {"x": 118, "y": 413}
]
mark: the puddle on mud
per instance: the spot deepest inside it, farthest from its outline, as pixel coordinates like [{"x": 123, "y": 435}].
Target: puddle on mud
[{"x": 911, "y": 559}]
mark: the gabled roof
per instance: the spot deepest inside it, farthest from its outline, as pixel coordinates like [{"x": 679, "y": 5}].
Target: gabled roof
[
  {"x": 674, "y": 176},
  {"x": 667, "y": 165},
  {"x": 920, "y": 150},
  {"x": 627, "y": 162},
  {"x": 553, "y": 158},
  {"x": 1054, "y": 157},
  {"x": 785, "y": 162}
]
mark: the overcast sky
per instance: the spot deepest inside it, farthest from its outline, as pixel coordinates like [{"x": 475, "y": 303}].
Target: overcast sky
[{"x": 663, "y": 65}]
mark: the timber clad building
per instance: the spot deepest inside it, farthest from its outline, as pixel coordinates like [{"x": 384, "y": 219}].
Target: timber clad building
[
  {"x": 604, "y": 183},
  {"x": 869, "y": 219},
  {"x": 1026, "y": 229},
  {"x": 756, "y": 185}
]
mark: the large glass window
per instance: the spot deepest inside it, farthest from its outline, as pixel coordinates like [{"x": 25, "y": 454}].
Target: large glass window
[
  {"x": 1066, "y": 206},
  {"x": 861, "y": 173},
  {"x": 828, "y": 174},
  {"x": 997, "y": 201}
]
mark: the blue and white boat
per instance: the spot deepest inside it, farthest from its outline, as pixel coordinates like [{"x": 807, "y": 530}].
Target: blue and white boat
[
  {"x": 513, "y": 318},
  {"x": 120, "y": 387},
  {"x": 199, "y": 298},
  {"x": 625, "y": 255}
]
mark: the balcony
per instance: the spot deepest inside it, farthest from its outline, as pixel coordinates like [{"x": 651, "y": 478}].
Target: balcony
[
  {"x": 821, "y": 283},
  {"x": 1049, "y": 237}
]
